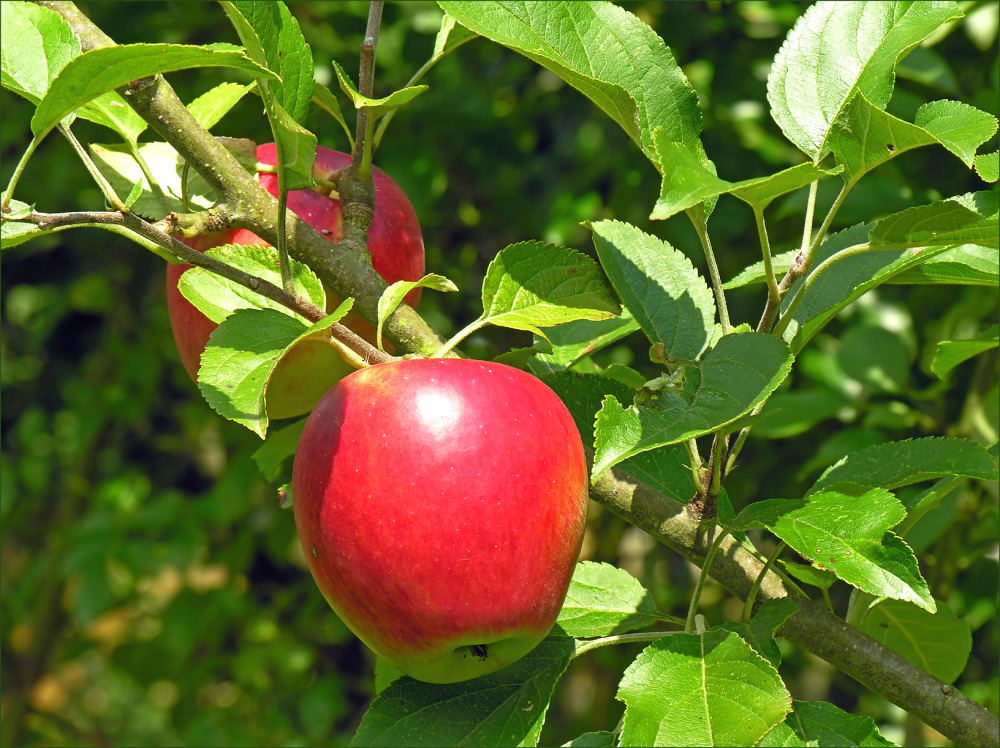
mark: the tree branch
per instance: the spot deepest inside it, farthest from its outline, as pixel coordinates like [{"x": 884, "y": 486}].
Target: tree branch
[
  {"x": 135, "y": 225},
  {"x": 941, "y": 706},
  {"x": 345, "y": 269}
]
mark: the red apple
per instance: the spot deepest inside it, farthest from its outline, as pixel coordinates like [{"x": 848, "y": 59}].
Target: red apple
[
  {"x": 312, "y": 367},
  {"x": 441, "y": 504}
]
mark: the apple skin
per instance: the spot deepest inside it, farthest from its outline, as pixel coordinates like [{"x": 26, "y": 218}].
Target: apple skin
[
  {"x": 313, "y": 366},
  {"x": 441, "y": 505}
]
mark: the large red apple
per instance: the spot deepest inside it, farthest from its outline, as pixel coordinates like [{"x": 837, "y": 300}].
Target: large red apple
[
  {"x": 313, "y": 366},
  {"x": 441, "y": 505}
]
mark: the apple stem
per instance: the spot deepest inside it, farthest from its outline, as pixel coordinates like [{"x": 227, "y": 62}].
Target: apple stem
[{"x": 459, "y": 337}]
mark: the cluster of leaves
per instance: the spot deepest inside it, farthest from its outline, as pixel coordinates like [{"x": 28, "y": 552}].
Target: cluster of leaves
[{"x": 717, "y": 379}]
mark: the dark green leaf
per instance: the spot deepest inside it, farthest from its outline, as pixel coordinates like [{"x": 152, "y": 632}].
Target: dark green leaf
[
  {"x": 735, "y": 376},
  {"x": 759, "y": 633},
  {"x": 279, "y": 447},
  {"x": 505, "y": 708},
  {"x": 901, "y": 463},
  {"x": 950, "y": 353},
  {"x": 937, "y": 643}
]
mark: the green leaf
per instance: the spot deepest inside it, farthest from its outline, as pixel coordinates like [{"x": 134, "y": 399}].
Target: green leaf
[
  {"x": 92, "y": 73},
  {"x": 295, "y": 148},
  {"x": 133, "y": 195},
  {"x": 864, "y": 137},
  {"x": 837, "y": 49},
  {"x": 895, "y": 464},
  {"x": 783, "y": 736},
  {"x": 13, "y": 233},
  {"x": 846, "y": 280},
  {"x": 385, "y": 674},
  {"x": 277, "y": 449},
  {"x": 376, "y": 106},
  {"x": 215, "y": 103},
  {"x": 876, "y": 357},
  {"x": 665, "y": 469},
  {"x": 810, "y": 575},
  {"x": 603, "y": 51},
  {"x": 111, "y": 110},
  {"x": 600, "y": 739},
  {"x": 217, "y": 297},
  {"x": 393, "y": 296},
  {"x": 576, "y": 340},
  {"x": 273, "y": 39},
  {"x": 121, "y": 169},
  {"x": 36, "y": 44},
  {"x": 505, "y": 708},
  {"x": 759, "y": 633},
  {"x": 583, "y": 394},
  {"x": 668, "y": 298},
  {"x": 848, "y": 535},
  {"x": 323, "y": 98},
  {"x": 964, "y": 265},
  {"x": 700, "y": 689},
  {"x": 241, "y": 355},
  {"x": 604, "y": 600},
  {"x": 735, "y": 376},
  {"x": 988, "y": 166},
  {"x": 950, "y": 353},
  {"x": 794, "y": 412},
  {"x": 531, "y": 285},
  {"x": 825, "y": 725},
  {"x": 937, "y": 643},
  {"x": 754, "y": 273},
  {"x": 449, "y": 37},
  {"x": 959, "y": 127},
  {"x": 942, "y": 223},
  {"x": 688, "y": 182}
]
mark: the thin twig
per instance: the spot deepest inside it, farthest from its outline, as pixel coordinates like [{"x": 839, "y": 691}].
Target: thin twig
[
  {"x": 135, "y": 225},
  {"x": 363, "y": 144}
]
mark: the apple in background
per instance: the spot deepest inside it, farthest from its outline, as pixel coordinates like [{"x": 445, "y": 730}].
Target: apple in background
[
  {"x": 313, "y": 366},
  {"x": 441, "y": 504}
]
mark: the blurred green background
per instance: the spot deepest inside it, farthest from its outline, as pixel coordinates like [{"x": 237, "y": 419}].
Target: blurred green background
[{"x": 152, "y": 590}]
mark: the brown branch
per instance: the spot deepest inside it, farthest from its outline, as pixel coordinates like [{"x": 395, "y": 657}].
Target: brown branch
[
  {"x": 941, "y": 706},
  {"x": 184, "y": 253},
  {"x": 343, "y": 267}
]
